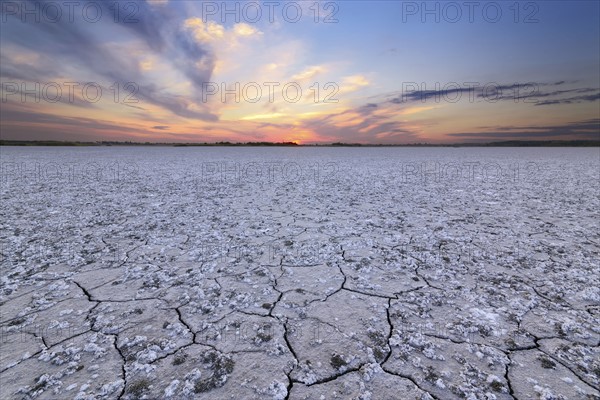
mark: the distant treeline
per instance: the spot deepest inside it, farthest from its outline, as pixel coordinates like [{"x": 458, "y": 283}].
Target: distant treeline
[
  {"x": 507, "y": 143},
  {"x": 129, "y": 143}
]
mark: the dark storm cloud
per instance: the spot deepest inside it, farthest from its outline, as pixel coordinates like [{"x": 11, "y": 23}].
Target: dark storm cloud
[
  {"x": 586, "y": 129},
  {"x": 527, "y": 92},
  {"x": 424, "y": 95},
  {"x": 571, "y": 100},
  {"x": 532, "y": 93}
]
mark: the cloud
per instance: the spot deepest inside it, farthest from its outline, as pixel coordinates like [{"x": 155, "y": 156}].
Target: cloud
[
  {"x": 33, "y": 125},
  {"x": 180, "y": 105},
  {"x": 146, "y": 64},
  {"x": 527, "y": 93},
  {"x": 571, "y": 100},
  {"x": 585, "y": 129},
  {"x": 308, "y": 73},
  {"x": 143, "y": 18},
  {"x": 262, "y": 116},
  {"x": 243, "y": 29},
  {"x": 353, "y": 83},
  {"x": 213, "y": 32},
  {"x": 15, "y": 68},
  {"x": 365, "y": 124},
  {"x": 204, "y": 32},
  {"x": 78, "y": 46},
  {"x": 47, "y": 92},
  {"x": 161, "y": 127}
]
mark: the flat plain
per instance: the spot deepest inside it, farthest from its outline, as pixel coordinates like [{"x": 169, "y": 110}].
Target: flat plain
[{"x": 300, "y": 273}]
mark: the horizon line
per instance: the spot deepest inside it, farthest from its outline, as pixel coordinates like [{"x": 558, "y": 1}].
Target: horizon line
[{"x": 504, "y": 143}]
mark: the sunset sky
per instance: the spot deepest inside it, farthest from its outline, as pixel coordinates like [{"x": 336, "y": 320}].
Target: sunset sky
[{"x": 369, "y": 72}]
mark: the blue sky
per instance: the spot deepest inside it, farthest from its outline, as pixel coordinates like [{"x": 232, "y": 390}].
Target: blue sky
[{"x": 374, "y": 72}]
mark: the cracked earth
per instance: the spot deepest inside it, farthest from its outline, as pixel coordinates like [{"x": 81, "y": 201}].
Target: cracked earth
[{"x": 278, "y": 273}]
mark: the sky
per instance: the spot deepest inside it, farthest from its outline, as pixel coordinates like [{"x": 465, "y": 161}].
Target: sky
[{"x": 385, "y": 72}]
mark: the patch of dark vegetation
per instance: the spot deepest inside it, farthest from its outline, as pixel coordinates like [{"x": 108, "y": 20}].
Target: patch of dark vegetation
[
  {"x": 510, "y": 342},
  {"x": 137, "y": 388},
  {"x": 459, "y": 392},
  {"x": 497, "y": 386},
  {"x": 179, "y": 359},
  {"x": 152, "y": 283},
  {"x": 547, "y": 363},
  {"x": 264, "y": 337},
  {"x": 485, "y": 330},
  {"x": 431, "y": 375},
  {"x": 17, "y": 321},
  {"x": 337, "y": 361},
  {"x": 131, "y": 350},
  {"x": 380, "y": 347},
  {"x": 559, "y": 329},
  {"x": 221, "y": 366},
  {"x": 40, "y": 383}
]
